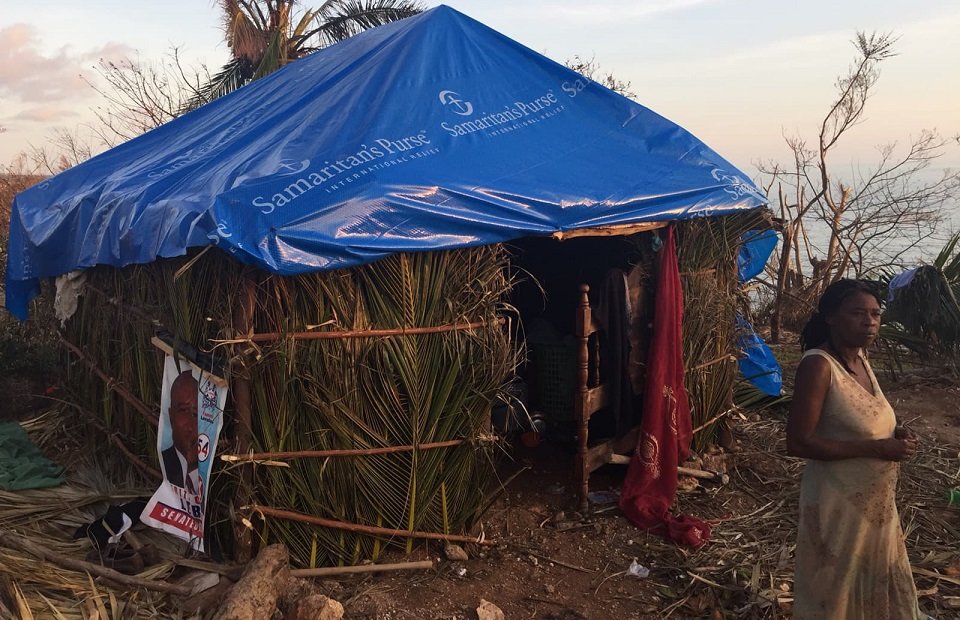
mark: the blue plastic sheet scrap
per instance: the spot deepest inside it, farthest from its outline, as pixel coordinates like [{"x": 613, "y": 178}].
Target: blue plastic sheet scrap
[
  {"x": 758, "y": 365},
  {"x": 756, "y": 246},
  {"x": 433, "y": 132},
  {"x": 22, "y": 464}
]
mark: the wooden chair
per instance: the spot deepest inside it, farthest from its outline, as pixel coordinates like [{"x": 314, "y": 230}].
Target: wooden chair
[{"x": 591, "y": 396}]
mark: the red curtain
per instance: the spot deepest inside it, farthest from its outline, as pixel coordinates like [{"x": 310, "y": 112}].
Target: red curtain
[{"x": 665, "y": 428}]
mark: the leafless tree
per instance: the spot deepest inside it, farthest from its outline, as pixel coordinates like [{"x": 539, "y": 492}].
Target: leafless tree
[
  {"x": 138, "y": 95},
  {"x": 63, "y": 149},
  {"x": 15, "y": 177},
  {"x": 590, "y": 69},
  {"x": 873, "y": 217}
]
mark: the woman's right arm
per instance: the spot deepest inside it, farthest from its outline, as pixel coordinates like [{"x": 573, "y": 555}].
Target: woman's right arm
[{"x": 809, "y": 393}]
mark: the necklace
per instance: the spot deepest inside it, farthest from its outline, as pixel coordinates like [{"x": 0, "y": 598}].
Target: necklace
[{"x": 832, "y": 352}]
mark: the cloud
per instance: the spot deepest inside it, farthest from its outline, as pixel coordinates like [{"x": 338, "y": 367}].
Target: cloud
[
  {"x": 45, "y": 114},
  {"x": 31, "y": 74}
]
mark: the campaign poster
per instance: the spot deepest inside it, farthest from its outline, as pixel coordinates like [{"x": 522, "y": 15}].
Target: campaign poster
[{"x": 191, "y": 416}]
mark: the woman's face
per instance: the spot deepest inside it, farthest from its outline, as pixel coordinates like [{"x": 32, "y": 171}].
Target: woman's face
[{"x": 856, "y": 322}]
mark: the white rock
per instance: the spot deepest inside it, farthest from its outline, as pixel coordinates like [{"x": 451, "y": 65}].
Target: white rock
[
  {"x": 455, "y": 553},
  {"x": 489, "y": 611}
]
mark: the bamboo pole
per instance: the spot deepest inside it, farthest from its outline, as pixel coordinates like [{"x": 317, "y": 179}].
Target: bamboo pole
[
  {"x": 366, "y": 568},
  {"x": 369, "y": 333},
  {"x": 10, "y": 540},
  {"x": 242, "y": 401},
  {"x": 725, "y": 358},
  {"x": 611, "y": 230},
  {"x": 113, "y": 385},
  {"x": 362, "y": 529},
  {"x": 321, "y": 454},
  {"x": 712, "y": 420}
]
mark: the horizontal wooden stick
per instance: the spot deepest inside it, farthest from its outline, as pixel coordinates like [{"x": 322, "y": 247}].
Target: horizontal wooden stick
[
  {"x": 703, "y": 475},
  {"x": 611, "y": 230},
  {"x": 322, "y": 454},
  {"x": 168, "y": 350},
  {"x": 366, "y": 568},
  {"x": 126, "y": 307},
  {"x": 935, "y": 575},
  {"x": 113, "y": 385},
  {"x": 11, "y": 540},
  {"x": 622, "y": 459},
  {"x": 536, "y": 553},
  {"x": 362, "y": 529},
  {"x": 723, "y": 358},
  {"x": 712, "y": 420},
  {"x": 367, "y": 333}
]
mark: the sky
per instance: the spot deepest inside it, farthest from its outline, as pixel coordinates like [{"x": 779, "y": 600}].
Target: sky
[{"x": 739, "y": 74}]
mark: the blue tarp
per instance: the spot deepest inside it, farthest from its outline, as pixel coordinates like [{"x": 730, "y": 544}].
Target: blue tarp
[
  {"x": 758, "y": 365},
  {"x": 432, "y": 132},
  {"x": 899, "y": 281},
  {"x": 756, "y": 247}
]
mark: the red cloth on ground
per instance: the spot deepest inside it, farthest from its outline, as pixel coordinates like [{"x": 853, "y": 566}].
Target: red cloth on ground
[{"x": 666, "y": 427}]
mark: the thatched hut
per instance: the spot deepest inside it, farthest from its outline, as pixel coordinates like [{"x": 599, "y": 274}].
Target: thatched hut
[{"x": 348, "y": 233}]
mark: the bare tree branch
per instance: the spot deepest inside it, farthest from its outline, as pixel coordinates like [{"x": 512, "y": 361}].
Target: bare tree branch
[
  {"x": 590, "y": 69},
  {"x": 872, "y": 219},
  {"x": 138, "y": 96}
]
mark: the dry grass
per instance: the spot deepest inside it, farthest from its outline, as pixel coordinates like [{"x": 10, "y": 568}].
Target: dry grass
[
  {"x": 48, "y": 518},
  {"x": 747, "y": 569}
]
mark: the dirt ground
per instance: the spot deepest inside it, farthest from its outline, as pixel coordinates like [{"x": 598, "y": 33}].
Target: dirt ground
[{"x": 551, "y": 563}]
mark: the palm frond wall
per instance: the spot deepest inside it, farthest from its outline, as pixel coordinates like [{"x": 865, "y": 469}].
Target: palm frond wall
[
  {"x": 367, "y": 392},
  {"x": 707, "y": 255}
]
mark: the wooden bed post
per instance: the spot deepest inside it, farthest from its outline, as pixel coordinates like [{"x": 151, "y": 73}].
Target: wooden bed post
[{"x": 580, "y": 407}]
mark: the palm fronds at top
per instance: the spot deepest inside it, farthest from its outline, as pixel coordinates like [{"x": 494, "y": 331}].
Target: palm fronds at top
[
  {"x": 265, "y": 35},
  {"x": 337, "y": 20}
]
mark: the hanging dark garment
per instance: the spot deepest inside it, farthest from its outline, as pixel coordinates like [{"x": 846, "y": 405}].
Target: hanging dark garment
[{"x": 612, "y": 314}]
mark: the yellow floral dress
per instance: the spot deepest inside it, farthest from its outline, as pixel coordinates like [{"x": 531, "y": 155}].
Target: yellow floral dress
[{"x": 851, "y": 561}]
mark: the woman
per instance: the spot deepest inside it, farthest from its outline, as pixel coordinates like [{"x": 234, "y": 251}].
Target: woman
[{"x": 851, "y": 559}]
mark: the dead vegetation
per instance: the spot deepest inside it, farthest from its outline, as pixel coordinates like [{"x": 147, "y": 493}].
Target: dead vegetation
[{"x": 548, "y": 562}]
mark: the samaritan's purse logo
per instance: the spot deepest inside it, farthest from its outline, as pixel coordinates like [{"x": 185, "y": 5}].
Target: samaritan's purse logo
[
  {"x": 505, "y": 118},
  {"x": 456, "y": 103}
]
